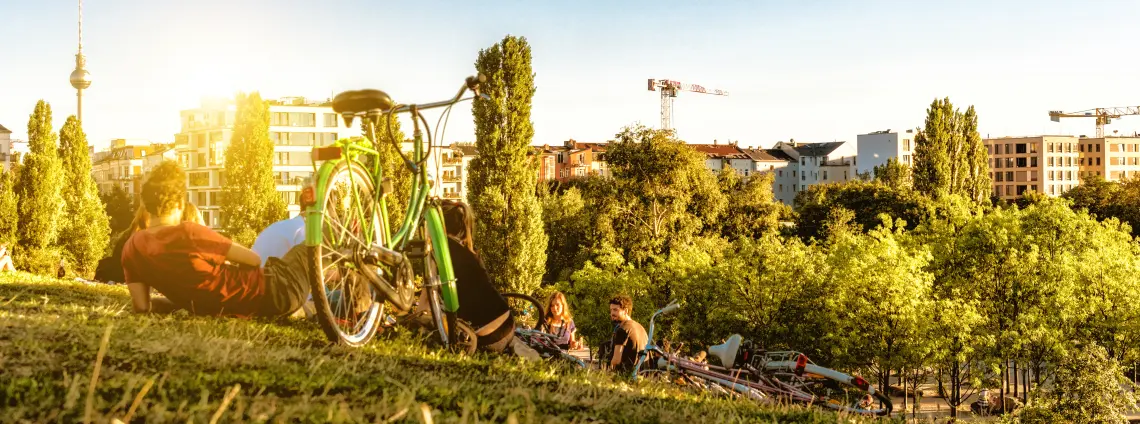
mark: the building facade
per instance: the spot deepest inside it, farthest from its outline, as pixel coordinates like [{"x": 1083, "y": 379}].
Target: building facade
[
  {"x": 121, "y": 165},
  {"x": 1111, "y": 158},
  {"x": 876, "y": 148},
  {"x": 295, "y": 127},
  {"x": 1046, "y": 164},
  {"x": 581, "y": 160}
]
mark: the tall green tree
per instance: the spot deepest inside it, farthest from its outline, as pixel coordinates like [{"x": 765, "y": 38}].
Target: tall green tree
[
  {"x": 392, "y": 164},
  {"x": 509, "y": 229},
  {"x": 38, "y": 189},
  {"x": 84, "y": 234},
  {"x": 949, "y": 156},
  {"x": 119, "y": 207},
  {"x": 753, "y": 209},
  {"x": 9, "y": 215},
  {"x": 250, "y": 201}
]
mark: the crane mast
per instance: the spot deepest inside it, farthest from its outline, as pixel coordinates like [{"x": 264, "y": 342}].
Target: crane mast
[{"x": 669, "y": 89}]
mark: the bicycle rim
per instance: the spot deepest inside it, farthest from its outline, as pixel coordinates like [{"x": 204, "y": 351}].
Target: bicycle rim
[
  {"x": 435, "y": 297},
  {"x": 526, "y": 310},
  {"x": 345, "y": 302}
]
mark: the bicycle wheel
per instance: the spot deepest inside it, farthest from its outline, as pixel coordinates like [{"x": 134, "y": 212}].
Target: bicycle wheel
[
  {"x": 346, "y": 304},
  {"x": 526, "y": 310}
]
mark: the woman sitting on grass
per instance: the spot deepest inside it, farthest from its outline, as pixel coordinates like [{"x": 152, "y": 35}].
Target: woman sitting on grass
[
  {"x": 559, "y": 322},
  {"x": 186, "y": 262}
]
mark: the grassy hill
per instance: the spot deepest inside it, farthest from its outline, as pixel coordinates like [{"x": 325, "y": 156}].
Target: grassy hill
[{"x": 180, "y": 368}]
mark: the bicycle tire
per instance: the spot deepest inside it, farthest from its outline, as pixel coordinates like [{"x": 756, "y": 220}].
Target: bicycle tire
[
  {"x": 364, "y": 323},
  {"x": 539, "y": 312},
  {"x": 786, "y": 372},
  {"x": 433, "y": 286}
]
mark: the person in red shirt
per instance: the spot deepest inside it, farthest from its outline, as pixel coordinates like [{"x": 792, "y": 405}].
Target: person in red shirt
[{"x": 199, "y": 270}]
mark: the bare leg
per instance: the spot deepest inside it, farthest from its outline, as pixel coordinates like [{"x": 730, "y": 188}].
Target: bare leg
[{"x": 6, "y": 264}]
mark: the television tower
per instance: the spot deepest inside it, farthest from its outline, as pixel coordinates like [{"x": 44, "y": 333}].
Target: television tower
[{"x": 80, "y": 78}]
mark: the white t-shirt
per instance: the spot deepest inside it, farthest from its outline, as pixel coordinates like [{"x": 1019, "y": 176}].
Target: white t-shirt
[{"x": 279, "y": 237}]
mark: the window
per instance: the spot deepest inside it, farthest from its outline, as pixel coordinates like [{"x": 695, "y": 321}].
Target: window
[
  {"x": 1082, "y": 159},
  {"x": 1082, "y": 147},
  {"x": 1009, "y": 163},
  {"x": 201, "y": 160},
  {"x": 1114, "y": 148},
  {"x": 781, "y": 172},
  {"x": 997, "y": 163},
  {"x": 803, "y": 161},
  {"x": 1020, "y": 148},
  {"x": 906, "y": 144},
  {"x": 998, "y": 177},
  {"x": 1009, "y": 175},
  {"x": 1050, "y": 161},
  {"x": 781, "y": 188},
  {"x": 793, "y": 173},
  {"x": 1098, "y": 164},
  {"x": 201, "y": 199},
  {"x": 1033, "y": 162},
  {"x": 803, "y": 177},
  {"x": 1007, "y": 149},
  {"x": 1033, "y": 175},
  {"x": 825, "y": 175},
  {"x": 1050, "y": 147},
  {"x": 1021, "y": 162},
  {"x": 1032, "y": 147},
  {"x": 330, "y": 119},
  {"x": 1098, "y": 148}
]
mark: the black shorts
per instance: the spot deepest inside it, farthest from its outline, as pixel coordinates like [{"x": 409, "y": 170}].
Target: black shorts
[{"x": 287, "y": 282}]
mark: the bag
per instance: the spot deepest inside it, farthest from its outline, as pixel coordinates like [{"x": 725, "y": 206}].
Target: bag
[{"x": 479, "y": 302}]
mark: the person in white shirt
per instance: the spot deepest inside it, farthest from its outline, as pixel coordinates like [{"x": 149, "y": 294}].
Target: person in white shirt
[{"x": 279, "y": 237}]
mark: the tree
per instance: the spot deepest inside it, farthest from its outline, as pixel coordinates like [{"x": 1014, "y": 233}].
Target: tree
[
  {"x": 1089, "y": 387},
  {"x": 567, "y": 215},
  {"x": 866, "y": 199},
  {"x": 392, "y": 164},
  {"x": 949, "y": 156},
  {"x": 85, "y": 233},
  {"x": 753, "y": 210},
  {"x": 502, "y": 181},
  {"x": 119, "y": 207},
  {"x": 38, "y": 189},
  {"x": 9, "y": 216},
  {"x": 250, "y": 201},
  {"x": 893, "y": 174},
  {"x": 664, "y": 194}
]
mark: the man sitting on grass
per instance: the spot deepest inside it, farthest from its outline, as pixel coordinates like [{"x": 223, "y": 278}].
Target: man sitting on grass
[{"x": 187, "y": 262}]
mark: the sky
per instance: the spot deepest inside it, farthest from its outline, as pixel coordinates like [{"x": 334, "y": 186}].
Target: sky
[{"x": 811, "y": 70}]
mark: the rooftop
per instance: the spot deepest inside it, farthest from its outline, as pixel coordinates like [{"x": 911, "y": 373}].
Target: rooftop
[
  {"x": 768, "y": 155},
  {"x": 721, "y": 151},
  {"x": 817, "y": 149},
  {"x": 4, "y": 130}
]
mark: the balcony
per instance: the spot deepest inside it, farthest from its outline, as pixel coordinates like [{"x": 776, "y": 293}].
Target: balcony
[
  {"x": 289, "y": 181},
  {"x": 451, "y": 195},
  {"x": 447, "y": 178},
  {"x": 449, "y": 160}
]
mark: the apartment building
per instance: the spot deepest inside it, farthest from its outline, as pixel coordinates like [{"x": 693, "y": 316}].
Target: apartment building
[
  {"x": 784, "y": 167},
  {"x": 121, "y": 165},
  {"x": 1111, "y": 158},
  {"x": 6, "y": 148},
  {"x": 1047, "y": 164},
  {"x": 876, "y": 148},
  {"x": 581, "y": 160},
  {"x": 722, "y": 156},
  {"x": 296, "y": 125},
  {"x": 451, "y": 165}
]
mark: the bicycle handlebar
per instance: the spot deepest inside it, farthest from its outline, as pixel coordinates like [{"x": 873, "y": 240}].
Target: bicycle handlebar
[{"x": 471, "y": 83}]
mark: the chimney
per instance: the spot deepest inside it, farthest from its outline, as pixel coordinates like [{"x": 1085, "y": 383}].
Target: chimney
[{"x": 714, "y": 142}]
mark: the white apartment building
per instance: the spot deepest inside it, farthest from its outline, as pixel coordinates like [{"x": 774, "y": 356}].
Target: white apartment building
[
  {"x": 11, "y": 151},
  {"x": 795, "y": 166},
  {"x": 450, "y": 165},
  {"x": 295, "y": 127},
  {"x": 784, "y": 169},
  {"x": 876, "y": 148}
]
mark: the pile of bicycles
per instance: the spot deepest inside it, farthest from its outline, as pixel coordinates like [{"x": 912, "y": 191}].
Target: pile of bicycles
[{"x": 751, "y": 373}]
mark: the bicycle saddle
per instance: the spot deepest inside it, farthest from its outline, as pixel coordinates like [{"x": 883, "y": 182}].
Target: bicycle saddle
[
  {"x": 726, "y": 351},
  {"x": 356, "y": 101}
]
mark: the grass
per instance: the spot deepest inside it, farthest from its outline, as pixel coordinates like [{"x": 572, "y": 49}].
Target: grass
[{"x": 204, "y": 370}]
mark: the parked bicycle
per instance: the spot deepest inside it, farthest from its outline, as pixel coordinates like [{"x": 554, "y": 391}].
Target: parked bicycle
[
  {"x": 359, "y": 264},
  {"x": 760, "y": 375}
]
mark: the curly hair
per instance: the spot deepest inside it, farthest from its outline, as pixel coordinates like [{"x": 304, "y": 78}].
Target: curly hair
[
  {"x": 164, "y": 189},
  {"x": 624, "y": 302}
]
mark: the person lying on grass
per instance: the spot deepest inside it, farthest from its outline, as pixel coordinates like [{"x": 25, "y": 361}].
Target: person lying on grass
[{"x": 187, "y": 262}]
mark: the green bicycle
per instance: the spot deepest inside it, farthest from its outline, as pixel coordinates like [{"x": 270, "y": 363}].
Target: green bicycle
[{"x": 359, "y": 265}]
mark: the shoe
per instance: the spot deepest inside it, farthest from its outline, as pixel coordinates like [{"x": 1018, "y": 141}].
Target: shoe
[{"x": 523, "y": 351}]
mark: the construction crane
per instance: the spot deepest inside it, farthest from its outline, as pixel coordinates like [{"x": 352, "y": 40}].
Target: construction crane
[
  {"x": 1103, "y": 115},
  {"x": 669, "y": 89}
]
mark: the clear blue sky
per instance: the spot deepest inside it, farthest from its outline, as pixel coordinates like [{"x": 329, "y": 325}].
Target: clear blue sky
[{"x": 809, "y": 70}]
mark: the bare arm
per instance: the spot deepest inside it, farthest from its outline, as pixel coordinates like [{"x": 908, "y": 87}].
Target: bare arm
[
  {"x": 617, "y": 355},
  {"x": 142, "y": 303},
  {"x": 241, "y": 255},
  {"x": 140, "y": 297}
]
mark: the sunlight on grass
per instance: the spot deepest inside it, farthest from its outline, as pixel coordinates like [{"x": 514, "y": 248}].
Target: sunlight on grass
[{"x": 179, "y": 368}]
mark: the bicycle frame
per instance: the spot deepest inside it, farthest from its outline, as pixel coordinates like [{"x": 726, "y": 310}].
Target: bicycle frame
[
  {"x": 419, "y": 203},
  {"x": 755, "y": 382}
]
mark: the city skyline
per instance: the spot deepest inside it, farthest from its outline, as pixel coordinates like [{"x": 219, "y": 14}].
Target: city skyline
[{"x": 817, "y": 71}]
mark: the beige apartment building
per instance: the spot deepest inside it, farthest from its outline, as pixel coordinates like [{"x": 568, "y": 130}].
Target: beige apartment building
[
  {"x": 1111, "y": 158},
  {"x": 121, "y": 165},
  {"x": 296, "y": 125},
  {"x": 1047, "y": 164}
]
